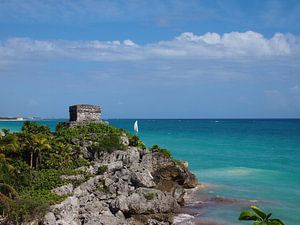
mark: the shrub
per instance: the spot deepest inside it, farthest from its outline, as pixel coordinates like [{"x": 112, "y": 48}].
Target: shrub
[
  {"x": 105, "y": 137},
  {"x": 34, "y": 128},
  {"x": 107, "y": 143},
  {"x": 102, "y": 169},
  {"x": 46, "y": 196},
  {"x": 19, "y": 176},
  {"x": 136, "y": 142},
  {"x": 26, "y": 209},
  {"x": 164, "y": 151},
  {"x": 47, "y": 179}
]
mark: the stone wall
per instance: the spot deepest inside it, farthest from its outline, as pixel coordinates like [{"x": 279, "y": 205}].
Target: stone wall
[{"x": 84, "y": 113}]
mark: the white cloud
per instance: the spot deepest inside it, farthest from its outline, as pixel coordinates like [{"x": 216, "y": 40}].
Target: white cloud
[
  {"x": 244, "y": 44},
  {"x": 234, "y": 45},
  {"x": 129, "y": 43}
]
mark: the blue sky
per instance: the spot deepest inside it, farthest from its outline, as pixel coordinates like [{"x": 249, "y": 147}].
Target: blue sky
[{"x": 151, "y": 59}]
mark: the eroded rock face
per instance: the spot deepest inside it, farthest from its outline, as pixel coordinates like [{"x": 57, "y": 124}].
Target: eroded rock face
[
  {"x": 139, "y": 187},
  {"x": 64, "y": 190}
]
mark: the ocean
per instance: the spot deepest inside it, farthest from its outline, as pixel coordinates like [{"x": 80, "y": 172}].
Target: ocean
[{"x": 240, "y": 162}]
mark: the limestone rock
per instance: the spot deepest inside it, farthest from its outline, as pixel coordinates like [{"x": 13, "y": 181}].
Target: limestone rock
[
  {"x": 145, "y": 201},
  {"x": 139, "y": 187},
  {"x": 142, "y": 179},
  {"x": 64, "y": 190},
  {"x": 113, "y": 166},
  {"x": 72, "y": 177},
  {"x": 124, "y": 140},
  {"x": 49, "y": 219}
]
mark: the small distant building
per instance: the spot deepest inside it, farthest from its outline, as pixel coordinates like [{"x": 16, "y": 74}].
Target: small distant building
[{"x": 84, "y": 113}]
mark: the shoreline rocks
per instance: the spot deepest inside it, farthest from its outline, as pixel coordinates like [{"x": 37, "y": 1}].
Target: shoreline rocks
[{"x": 138, "y": 187}]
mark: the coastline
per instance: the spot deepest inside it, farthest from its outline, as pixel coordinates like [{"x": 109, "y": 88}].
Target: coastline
[
  {"x": 202, "y": 141},
  {"x": 110, "y": 177}
]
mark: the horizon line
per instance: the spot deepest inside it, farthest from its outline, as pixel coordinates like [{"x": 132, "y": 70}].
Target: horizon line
[{"x": 204, "y": 118}]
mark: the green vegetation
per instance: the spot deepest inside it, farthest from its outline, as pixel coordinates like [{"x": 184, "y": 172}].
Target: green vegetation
[
  {"x": 259, "y": 216},
  {"x": 164, "y": 151},
  {"x": 149, "y": 195},
  {"x": 135, "y": 141},
  {"x": 102, "y": 187},
  {"x": 33, "y": 161},
  {"x": 179, "y": 163},
  {"x": 102, "y": 169}
]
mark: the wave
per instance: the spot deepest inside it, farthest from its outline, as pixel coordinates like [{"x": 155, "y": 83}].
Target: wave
[
  {"x": 183, "y": 218},
  {"x": 186, "y": 219}
]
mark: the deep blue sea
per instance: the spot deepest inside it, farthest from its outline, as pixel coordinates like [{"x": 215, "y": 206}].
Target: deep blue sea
[{"x": 240, "y": 162}]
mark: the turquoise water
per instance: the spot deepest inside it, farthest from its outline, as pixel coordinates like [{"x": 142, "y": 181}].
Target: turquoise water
[{"x": 242, "y": 162}]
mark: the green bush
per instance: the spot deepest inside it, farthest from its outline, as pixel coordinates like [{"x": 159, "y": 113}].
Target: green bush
[
  {"x": 47, "y": 196},
  {"x": 47, "y": 179},
  {"x": 19, "y": 174},
  {"x": 105, "y": 137},
  {"x": 107, "y": 144},
  {"x": 102, "y": 169},
  {"x": 135, "y": 141},
  {"x": 26, "y": 209},
  {"x": 34, "y": 128},
  {"x": 164, "y": 151}
]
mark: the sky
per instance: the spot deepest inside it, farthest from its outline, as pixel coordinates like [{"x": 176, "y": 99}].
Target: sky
[{"x": 151, "y": 59}]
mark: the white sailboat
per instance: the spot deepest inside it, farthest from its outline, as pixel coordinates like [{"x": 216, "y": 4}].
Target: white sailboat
[{"x": 136, "y": 127}]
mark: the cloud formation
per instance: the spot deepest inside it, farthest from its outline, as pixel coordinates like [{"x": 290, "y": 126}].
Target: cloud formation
[{"x": 234, "y": 45}]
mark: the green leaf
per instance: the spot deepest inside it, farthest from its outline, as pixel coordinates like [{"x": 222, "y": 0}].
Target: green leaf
[
  {"x": 249, "y": 215},
  {"x": 258, "y": 211},
  {"x": 260, "y": 223},
  {"x": 268, "y": 216},
  {"x": 276, "y": 222}
]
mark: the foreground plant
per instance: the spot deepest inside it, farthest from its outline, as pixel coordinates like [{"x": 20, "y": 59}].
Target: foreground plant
[{"x": 259, "y": 216}]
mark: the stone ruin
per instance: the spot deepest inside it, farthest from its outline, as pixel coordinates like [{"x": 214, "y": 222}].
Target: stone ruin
[{"x": 84, "y": 113}]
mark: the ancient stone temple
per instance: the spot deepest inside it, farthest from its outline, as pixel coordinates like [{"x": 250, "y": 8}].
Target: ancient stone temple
[{"x": 84, "y": 113}]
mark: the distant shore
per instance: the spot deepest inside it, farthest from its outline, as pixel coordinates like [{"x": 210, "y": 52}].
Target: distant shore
[
  {"x": 13, "y": 118},
  {"x": 18, "y": 118}
]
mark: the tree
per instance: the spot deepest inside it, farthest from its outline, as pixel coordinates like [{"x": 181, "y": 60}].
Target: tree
[
  {"x": 5, "y": 166},
  {"x": 9, "y": 143},
  {"x": 35, "y": 144},
  {"x": 7, "y": 194},
  {"x": 34, "y": 128},
  {"x": 259, "y": 216}
]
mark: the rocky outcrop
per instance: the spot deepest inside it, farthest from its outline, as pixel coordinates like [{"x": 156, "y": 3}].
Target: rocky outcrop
[{"x": 138, "y": 187}]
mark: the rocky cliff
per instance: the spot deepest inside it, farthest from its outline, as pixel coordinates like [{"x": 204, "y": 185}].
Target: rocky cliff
[{"x": 132, "y": 186}]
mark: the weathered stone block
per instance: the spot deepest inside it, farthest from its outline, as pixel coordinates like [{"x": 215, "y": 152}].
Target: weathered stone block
[{"x": 84, "y": 113}]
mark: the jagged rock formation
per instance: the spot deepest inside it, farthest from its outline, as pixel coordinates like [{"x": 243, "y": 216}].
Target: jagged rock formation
[{"x": 138, "y": 187}]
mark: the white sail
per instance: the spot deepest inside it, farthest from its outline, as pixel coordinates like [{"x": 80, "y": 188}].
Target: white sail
[{"x": 136, "y": 127}]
